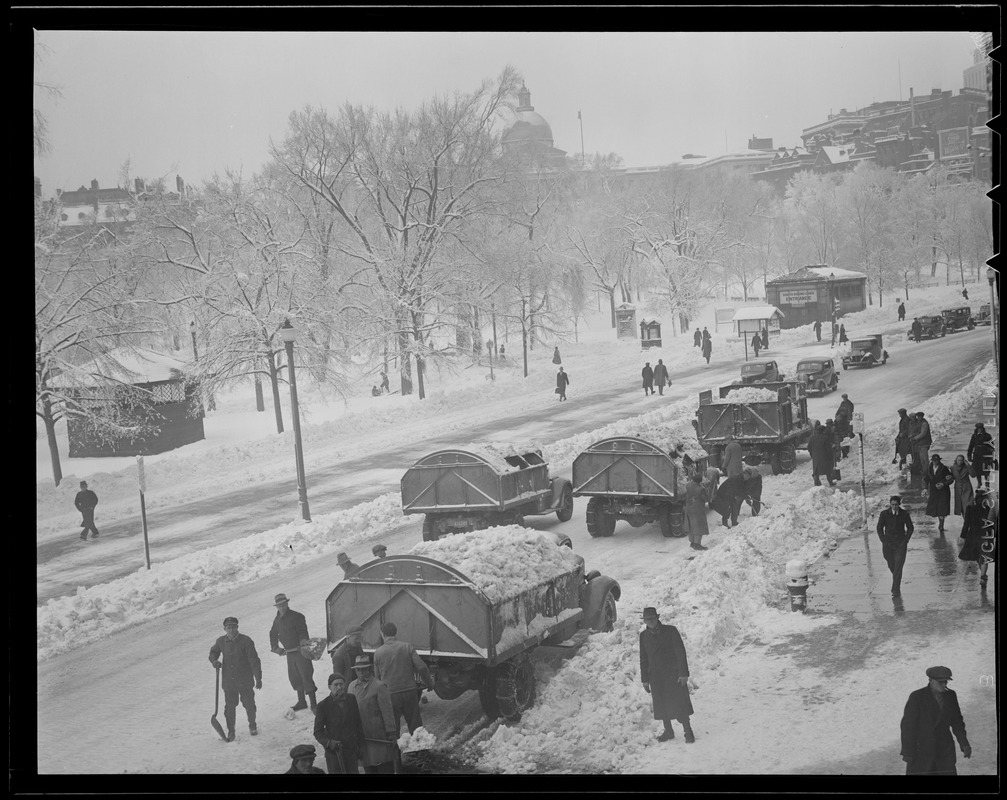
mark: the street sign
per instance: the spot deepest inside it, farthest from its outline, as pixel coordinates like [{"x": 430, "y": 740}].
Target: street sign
[
  {"x": 140, "y": 475},
  {"x": 858, "y": 422}
]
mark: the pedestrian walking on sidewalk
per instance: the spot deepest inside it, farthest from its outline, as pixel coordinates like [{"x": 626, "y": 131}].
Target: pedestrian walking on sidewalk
[
  {"x": 820, "y": 448},
  {"x": 894, "y": 530},
  {"x": 338, "y": 728},
  {"x": 902, "y": 311},
  {"x": 902, "y": 446},
  {"x": 979, "y": 532},
  {"x": 756, "y": 344},
  {"x": 291, "y": 630},
  {"x": 647, "y": 373},
  {"x": 707, "y": 348},
  {"x": 240, "y": 671},
  {"x": 981, "y": 453},
  {"x": 697, "y": 338},
  {"x": 562, "y": 381},
  {"x": 965, "y": 293},
  {"x": 556, "y": 357},
  {"x": 765, "y": 338},
  {"x": 937, "y": 480},
  {"x": 932, "y": 714},
  {"x": 915, "y": 423},
  {"x": 964, "y": 495},
  {"x": 661, "y": 376},
  {"x": 818, "y": 330},
  {"x": 85, "y": 501},
  {"x": 664, "y": 672},
  {"x": 921, "y": 443},
  {"x": 695, "y": 512},
  {"x": 843, "y": 339}
]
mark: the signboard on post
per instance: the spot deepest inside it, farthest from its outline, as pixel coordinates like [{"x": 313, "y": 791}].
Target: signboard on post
[
  {"x": 140, "y": 474},
  {"x": 953, "y": 142},
  {"x": 858, "y": 422},
  {"x": 143, "y": 507}
]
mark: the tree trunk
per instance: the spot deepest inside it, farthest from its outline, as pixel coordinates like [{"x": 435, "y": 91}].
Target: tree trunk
[
  {"x": 524, "y": 337},
  {"x": 50, "y": 434},
  {"x": 260, "y": 403},
  {"x": 611, "y": 304},
  {"x": 933, "y": 260},
  {"x": 275, "y": 383}
]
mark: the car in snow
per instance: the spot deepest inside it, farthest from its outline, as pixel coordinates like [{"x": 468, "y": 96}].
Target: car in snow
[
  {"x": 866, "y": 351},
  {"x": 931, "y": 326},
  {"x": 759, "y": 372},
  {"x": 818, "y": 375},
  {"x": 984, "y": 317},
  {"x": 958, "y": 319}
]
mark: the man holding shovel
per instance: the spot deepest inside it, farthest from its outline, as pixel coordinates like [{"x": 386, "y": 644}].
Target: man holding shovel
[
  {"x": 338, "y": 728},
  {"x": 241, "y": 668},
  {"x": 291, "y": 630}
]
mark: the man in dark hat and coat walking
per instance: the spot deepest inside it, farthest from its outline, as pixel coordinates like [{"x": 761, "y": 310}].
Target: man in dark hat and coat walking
[
  {"x": 894, "y": 529},
  {"x": 291, "y": 630},
  {"x": 661, "y": 376},
  {"x": 240, "y": 671},
  {"x": 338, "y": 728},
  {"x": 664, "y": 671},
  {"x": 647, "y": 373},
  {"x": 697, "y": 338},
  {"x": 932, "y": 714},
  {"x": 562, "y": 381},
  {"x": 85, "y": 501},
  {"x": 938, "y": 479}
]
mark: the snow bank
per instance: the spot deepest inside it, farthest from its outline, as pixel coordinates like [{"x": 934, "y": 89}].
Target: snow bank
[
  {"x": 747, "y": 394},
  {"x": 96, "y": 612},
  {"x": 420, "y": 739},
  {"x": 502, "y": 561}
]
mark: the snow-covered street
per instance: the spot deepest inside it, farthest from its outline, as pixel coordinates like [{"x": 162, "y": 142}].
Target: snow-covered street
[{"x": 100, "y": 646}]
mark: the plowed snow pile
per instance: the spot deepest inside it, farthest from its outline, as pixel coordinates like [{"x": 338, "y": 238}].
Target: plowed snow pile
[
  {"x": 420, "y": 739},
  {"x": 502, "y": 561},
  {"x": 747, "y": 394}
]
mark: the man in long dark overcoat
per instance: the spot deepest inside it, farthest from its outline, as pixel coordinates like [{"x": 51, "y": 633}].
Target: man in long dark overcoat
[
  {"x": 338, "y": 728},
  {"x": 822, "y": 456},
  {"x": 902, "y": 445},
  {"x": 932, "y": 714},
  {"x": 894, "y": 530},
  {"x": 938, "y": 479},
  {"x": 664, "y": 671}
]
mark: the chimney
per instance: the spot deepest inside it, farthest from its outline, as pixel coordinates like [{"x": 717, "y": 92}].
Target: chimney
[
  {"x": 180, "y": 185},
  {"x": 94, "y": 184}
]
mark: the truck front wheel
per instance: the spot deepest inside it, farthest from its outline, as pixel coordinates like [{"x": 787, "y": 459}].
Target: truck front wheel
[
  {"x": 566, "y": 506},
  {"x": 515, "y": 687},
  {"x": 786, "y": 458},
  {"x": 598, "y": 522},
  {"x": 429, "y": 530}
]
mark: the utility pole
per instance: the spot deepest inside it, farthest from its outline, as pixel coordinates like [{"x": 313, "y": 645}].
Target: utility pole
[{"x": 581, "y": 120}]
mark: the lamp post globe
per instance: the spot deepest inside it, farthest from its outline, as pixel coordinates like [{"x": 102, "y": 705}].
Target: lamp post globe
[{"x": 288, "y": 334}]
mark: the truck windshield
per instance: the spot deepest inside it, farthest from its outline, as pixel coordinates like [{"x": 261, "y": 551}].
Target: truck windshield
[
  {"x": 753, "y": 369},
  {"x": 809, "y": 366}
]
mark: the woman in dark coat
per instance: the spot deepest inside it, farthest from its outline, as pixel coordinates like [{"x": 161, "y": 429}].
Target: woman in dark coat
[
  {"x": 820, "y": 448},
  {"x": 664, "y": 672},
  {"x": 980, "y": 452},
  {"x": 964, "y": 496},
  {"x": 842, "y": 335},
  {"x": 979, "y": 531},
  {"x": 938, "y": 479}
]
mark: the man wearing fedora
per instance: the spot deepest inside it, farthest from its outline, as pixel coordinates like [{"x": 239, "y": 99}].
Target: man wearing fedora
[
  {"x": 396, "y": 664},
  {"x": 932, "y": 714},
  {"x": 302, "y": 761},
  {"x": 338, "y": 729},
  {"x": 85, "y": 501},
  {"x": 894, "y": 530},
  {"x": 348, "y": 566},
  {"x": 291, "y": 630},
  {"x": 938, "y": 479},
  {"x": 345, "y": 654},
  {"x": 375, "y": 705},
  {"x": 664, "y": 671},
  {"x": 240, "y": 671}
]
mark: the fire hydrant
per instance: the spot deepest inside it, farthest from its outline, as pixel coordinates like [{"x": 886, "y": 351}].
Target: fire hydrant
[{"x": 797, "y": 571}]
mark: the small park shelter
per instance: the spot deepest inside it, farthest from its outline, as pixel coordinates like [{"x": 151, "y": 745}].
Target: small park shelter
[
  {"x": 749, "y": 320},
  {"x": 650, "y": 333},
  {"x": 625, "y": 321},
  {"x": 809, "y": 294}
]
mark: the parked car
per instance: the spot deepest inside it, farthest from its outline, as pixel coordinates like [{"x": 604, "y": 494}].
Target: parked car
[
  {"x": 958, "y": 319},
  {"x": 759, "y": 372},
  {"x": 984, "y": 317},
  {"x": 866, "y": 351},
  {"x": 931, "y": 327},
  {"x": 818, "y": 375}
]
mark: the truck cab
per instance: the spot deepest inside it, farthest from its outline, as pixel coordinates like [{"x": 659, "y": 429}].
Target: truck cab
[
  {"x": 755, "y": 372},
  {"x": 818, "y": 375}
]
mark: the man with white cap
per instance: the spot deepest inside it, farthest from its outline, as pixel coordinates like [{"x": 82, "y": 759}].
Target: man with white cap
[
  {"x": 894, "y": 530},
  {"x": 664, "y": 672},
  {"x": 932, "y": 714},
  {"x": 291, "y": 630},
  {"x": 240, "y": 670}
]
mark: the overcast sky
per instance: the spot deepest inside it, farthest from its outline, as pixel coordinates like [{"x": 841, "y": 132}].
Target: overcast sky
[{"x": 193, "y": 103}]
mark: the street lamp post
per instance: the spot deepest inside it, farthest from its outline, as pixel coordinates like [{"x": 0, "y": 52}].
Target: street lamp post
[
  {"x": 991, "y": 276},
  {"x": 287, "y": 333},
  {"x": 832, "y": 303}
]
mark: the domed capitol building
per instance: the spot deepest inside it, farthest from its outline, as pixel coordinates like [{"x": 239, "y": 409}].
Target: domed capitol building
[{"x": 530, "y": 135}]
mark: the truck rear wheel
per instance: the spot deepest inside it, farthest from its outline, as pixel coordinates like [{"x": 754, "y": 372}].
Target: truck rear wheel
[
  {"x": 515, "y": 687},
  {"x": 787, "y": 458},
  {"x": 672, "y": 520},
  {"x": 598, "y": 522},
  {"x": 566, "y": 506},
  {"x": 488, "y": 694},
  {"x": 429, "y": 531}
]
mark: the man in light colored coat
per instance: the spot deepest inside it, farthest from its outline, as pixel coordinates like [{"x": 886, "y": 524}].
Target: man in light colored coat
[
  {"x": 733, "y": 461},
  {"x": 375, "y": 707}
]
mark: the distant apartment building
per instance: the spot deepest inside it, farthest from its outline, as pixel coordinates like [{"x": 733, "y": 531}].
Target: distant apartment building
[{"x": 106, "y": 207}]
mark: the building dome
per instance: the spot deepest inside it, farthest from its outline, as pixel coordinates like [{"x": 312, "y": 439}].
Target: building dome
[{"x": 529, "y": 127}]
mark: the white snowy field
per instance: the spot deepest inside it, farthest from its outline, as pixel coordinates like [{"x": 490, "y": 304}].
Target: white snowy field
[{"x": 591, "y": 715}]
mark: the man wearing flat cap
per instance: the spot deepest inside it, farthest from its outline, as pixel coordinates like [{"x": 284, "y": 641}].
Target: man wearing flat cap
[
  {"x": 932, "y": 714},
  {"x": 291, "y": 630},
  {"x": 345, "y": 654},
  {"x": 377, "y": 718},
  {"x": 664, "y": 671},
  {"x": 902, "y": 446},
  {"x": 894, "y": 530},
  {"x": 348, "y": 566},
  {"x": 240, "y": 670},
  {"x": 302, "y": 761},
  {"x": 379, "y": 551},
  {"x": 338, "y": 729},
  {"x": 938, "y": 479}
]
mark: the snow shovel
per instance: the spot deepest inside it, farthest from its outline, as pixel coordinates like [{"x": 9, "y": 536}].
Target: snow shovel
[{"x": 216, "y": 708}]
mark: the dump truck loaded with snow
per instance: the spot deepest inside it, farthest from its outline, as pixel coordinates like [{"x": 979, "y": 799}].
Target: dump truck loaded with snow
[
  {"x": 474, "y": 607},
  {"x": 769, "y": 421},
  {"x": 637, "y": 480},
  {"x": 479, "y": 486}
]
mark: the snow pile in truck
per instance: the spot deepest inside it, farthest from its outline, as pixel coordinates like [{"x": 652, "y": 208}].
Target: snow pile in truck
[
  {"x": 504, "y": 561},
  {"x": 497, "y": 453},
  {"x": 747, "y": 394}
]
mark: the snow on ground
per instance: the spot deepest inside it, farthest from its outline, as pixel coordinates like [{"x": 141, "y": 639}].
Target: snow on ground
[
  {"x": 502, "y": 561},
  {"x": 419, "y": 739}
]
